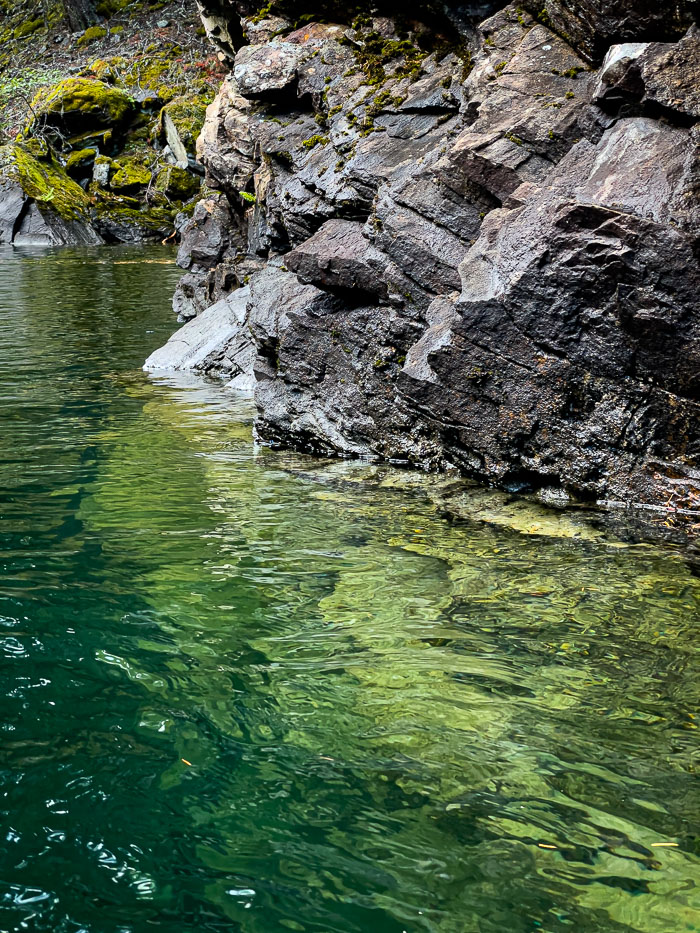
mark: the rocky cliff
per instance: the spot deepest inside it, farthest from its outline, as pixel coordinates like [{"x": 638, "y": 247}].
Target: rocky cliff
[{"x": 468, "y": 237}]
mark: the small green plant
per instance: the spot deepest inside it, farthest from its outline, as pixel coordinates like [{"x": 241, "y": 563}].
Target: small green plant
[
  {"x": 314, "y": 141},
  {"x": 248, "y": 197}
]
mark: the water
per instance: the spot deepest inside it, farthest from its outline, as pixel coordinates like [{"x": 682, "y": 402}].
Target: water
[{"x": 248, "y": 691}]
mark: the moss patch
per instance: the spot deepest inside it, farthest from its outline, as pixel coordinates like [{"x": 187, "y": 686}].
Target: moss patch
[
  {"x": 187, "y": 114},
  {"x": 80, "y": 161},
  {"x": 80, "y": 104},
  {"x": 93, "y": 34},
  {"x": 43, "y": 180},
  {"x": 28, "y": 28},
  {"x": 131, "y": 174},
  {"x": 146, "y": 223},
  {"x": 177, "y": 184}
]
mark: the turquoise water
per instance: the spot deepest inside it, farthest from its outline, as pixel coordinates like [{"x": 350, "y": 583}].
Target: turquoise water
[{"x": 244, "y": 690}]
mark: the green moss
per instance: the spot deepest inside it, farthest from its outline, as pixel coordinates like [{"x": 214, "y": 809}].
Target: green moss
[
  {"x": 177, "y": 184},
  {"x": 93, "y": 34},
  {"x": 314, "y": 141},
  {"x": 131, "y": 174},
  {"x": 571, "y": 73},
  {"x": 81, "y": 104},
  {"x": 187, "y": 113},
  {"x": 80, "y": 160},
  {"x": 522, "y": 17},
  {"x": 154, "y": 222},
  {"x": 262, "y": 13},
  {"x": 43, "y": 180},
  {"x": 28, "y": 28},
  {"x": 376, "y": 53},
  {"x": 108, "y": 8}
]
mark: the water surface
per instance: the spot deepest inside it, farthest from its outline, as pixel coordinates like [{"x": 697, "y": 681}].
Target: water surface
[{"x": 243, "y": 690}]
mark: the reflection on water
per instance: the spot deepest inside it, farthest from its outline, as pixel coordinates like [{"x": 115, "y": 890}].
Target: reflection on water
[{"x": 245, "y": 690}]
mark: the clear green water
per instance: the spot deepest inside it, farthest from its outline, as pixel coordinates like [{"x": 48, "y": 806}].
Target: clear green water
[{"x": 387, "y": 714}]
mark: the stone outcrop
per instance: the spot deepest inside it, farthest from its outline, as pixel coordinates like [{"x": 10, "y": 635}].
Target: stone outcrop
[
  {"x": 473, "y": 248},
  {"x": 39, "y": 204}
]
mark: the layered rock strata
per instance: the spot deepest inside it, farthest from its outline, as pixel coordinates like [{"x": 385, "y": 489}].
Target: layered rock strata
[{"x": 469, "y": 247}]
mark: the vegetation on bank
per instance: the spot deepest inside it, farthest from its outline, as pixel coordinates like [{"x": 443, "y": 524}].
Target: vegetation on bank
[{"x": 98, "y": 113}]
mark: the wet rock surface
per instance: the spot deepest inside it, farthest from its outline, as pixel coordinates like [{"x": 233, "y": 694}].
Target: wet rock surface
[{"x": 474, "y": 249}]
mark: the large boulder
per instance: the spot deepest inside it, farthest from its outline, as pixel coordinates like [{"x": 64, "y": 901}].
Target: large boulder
[
  {"x": 77, "y": 105},
  {"x": 572, "y": 357},
  {"x": 39, "y": 204}
]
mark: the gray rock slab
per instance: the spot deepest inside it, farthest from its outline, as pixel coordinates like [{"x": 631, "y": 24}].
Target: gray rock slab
[{"x": 214, "y": 342}]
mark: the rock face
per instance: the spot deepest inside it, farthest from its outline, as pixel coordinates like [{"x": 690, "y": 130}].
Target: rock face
[
  {"x": 592, "y": 26},
  {"x": 477, "y": 253}
]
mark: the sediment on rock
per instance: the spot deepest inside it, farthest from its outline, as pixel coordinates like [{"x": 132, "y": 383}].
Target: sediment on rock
[{"x": 471, "y": 249}]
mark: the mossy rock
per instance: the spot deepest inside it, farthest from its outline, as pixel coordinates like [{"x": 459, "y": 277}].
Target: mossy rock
[
  {"x": 187, "y": 114},
  {"x": 80, "y": 162},
  {"x": 44, "y": 180},
  {"x": 108, "y": 8},
  {"x": 102, "y": 140},
  {"x": 177, "y": 184},
  {"x": 78, "y": 105},
  {"x": 102, "y": 70},
  {"x": 127, "y": 224},
  {"x": 93, "y": 34},
  {"x": 131, "y": 174}
]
